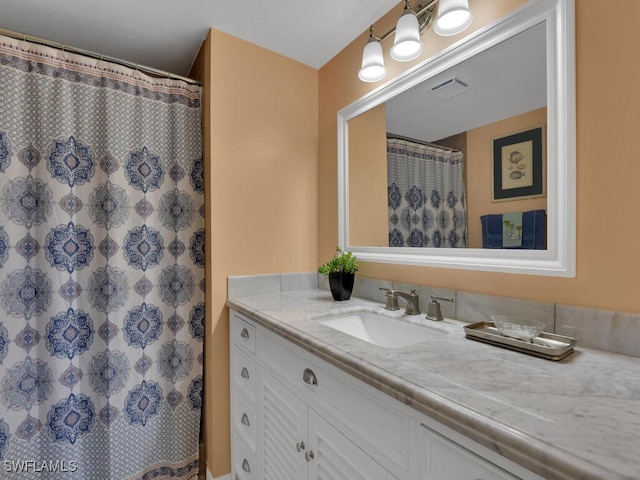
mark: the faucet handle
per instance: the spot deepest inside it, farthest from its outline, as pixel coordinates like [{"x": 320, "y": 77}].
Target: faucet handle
[
  {"x": 392, "y": 300},
  {"x": 434, "y": 311},
  {"x": 435, "y": 299}
]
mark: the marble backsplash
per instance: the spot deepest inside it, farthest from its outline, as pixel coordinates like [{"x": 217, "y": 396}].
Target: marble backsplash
[{"x": 616, "y": 332}]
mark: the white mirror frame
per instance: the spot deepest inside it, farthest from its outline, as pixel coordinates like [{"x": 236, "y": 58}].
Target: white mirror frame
[{"x": 560, "y": 257}]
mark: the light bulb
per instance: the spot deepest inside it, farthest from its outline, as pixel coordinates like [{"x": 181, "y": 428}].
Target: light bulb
[
  {"x": 407, "y": 45},
  {"x": 373, "y": 68},
  {"x": 454, "y": 16}
]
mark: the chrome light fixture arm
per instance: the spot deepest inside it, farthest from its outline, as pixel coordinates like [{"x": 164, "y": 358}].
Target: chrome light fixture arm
[{"x": 425, "y": 12}]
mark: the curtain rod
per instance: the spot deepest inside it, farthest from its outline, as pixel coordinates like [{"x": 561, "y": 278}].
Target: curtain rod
[
  {"x": 61, "y": 46},
  {"x": 421, "y": 142}
]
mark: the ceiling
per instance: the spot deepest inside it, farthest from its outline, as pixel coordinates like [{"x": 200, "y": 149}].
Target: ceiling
[
  {"x": 505, "y": 80},
  {"x": 167, "y": 34}
]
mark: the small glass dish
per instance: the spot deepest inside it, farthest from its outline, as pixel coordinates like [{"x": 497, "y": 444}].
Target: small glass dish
[{"x": 519, "y": 328}]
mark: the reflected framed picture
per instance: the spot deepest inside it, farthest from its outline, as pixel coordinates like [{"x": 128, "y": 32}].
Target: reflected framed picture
[{"x": 519, "y": 165}]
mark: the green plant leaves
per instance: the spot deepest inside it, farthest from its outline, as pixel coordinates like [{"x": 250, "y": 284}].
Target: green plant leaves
[{"x": 341, "y": 262}]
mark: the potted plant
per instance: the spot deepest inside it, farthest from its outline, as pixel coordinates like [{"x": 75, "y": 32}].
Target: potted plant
[{"x": 341, "y": 270}]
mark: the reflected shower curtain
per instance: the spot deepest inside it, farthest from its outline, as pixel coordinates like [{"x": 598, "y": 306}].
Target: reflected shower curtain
[
  {"x": 101, "y": 269},
  {"x": 426, "y": 195}
]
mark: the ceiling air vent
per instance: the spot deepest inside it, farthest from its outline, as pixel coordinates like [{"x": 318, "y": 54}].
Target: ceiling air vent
[{"x": 449, "y": 88}]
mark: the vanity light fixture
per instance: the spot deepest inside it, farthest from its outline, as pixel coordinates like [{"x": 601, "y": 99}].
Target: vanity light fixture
[
  {"x": 407, "y": 45},
  {"x": 454, "y": 16},
  {"x": 373, "y": 68}
]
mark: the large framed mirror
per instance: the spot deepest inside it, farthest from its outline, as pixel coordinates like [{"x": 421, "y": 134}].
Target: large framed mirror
[{"x": 468, "y": 159}]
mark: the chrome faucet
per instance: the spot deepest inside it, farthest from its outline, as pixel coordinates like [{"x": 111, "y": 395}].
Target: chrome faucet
[{"x": 412, "y": 299}]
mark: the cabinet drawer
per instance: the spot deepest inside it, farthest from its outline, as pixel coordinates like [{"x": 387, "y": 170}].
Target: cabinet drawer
[
  {"x": 450, "y": 460},
  {"x": 243, "y": 373},
  {"x": 242, "y": 332},
  {"x": 243, "y": 464},
  {"x": 244, "y": 421},
  {"x": 377, "y": 423},
  {"x": 284, "y": 362},
  {"x": 383, "y": 431}
]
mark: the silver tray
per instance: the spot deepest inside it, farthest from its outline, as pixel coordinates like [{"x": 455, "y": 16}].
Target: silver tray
[{"x": 545, "y": 345}]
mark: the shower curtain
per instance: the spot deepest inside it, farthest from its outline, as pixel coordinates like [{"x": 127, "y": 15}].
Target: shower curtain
[
  {"x": 101, "y": 269},
  {"x": 426, "y": 195}
]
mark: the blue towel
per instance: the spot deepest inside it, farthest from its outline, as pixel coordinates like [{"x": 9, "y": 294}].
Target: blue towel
[{"x": 534, "y": 231}]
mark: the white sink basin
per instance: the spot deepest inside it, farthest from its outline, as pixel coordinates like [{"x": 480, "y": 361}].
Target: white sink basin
[{"x": 381, "y": 330}]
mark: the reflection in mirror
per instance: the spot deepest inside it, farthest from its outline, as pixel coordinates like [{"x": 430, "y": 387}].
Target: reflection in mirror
[
  {"x": 509, "y": 108},
  {"x": 421, "y": 164}
]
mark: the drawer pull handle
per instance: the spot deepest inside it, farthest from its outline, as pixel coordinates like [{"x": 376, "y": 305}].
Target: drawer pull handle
[
  {"x": 245, "y": 466},
  {"x": 300, "y": 446},
  {"x": 244, "y": 333},
  {"x": 245, "y": 419},
  {"x": 244, "y": 373},
  {"x": 309, "y": 456},
  {"x": 309, "y": 377}
]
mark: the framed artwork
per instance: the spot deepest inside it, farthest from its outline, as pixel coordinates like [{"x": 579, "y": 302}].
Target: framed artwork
[{"x": 518, "y": 166}]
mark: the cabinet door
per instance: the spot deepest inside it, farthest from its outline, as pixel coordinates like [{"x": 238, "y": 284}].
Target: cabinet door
[
  {"x": 282, "y": 434},
  {"x": 331, "y": 456}
]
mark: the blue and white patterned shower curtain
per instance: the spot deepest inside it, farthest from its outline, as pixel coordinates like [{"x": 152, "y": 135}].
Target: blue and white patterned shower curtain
[
  {"x": 101, "y": 269},
  {"x": 426, "y": 195}
]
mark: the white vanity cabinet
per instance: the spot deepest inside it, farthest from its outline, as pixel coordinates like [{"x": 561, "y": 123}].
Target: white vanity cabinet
[
  {"x": 243, "y": 398},
  {"x": 296, "y": 417},
  {"x": 297, "y": 443}
]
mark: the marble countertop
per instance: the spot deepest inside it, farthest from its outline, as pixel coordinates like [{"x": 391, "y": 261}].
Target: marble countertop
[{"x": 578, "y": 418}]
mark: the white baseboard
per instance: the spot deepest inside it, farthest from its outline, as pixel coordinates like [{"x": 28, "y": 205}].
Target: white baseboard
[{"x": 224, "y": 477}]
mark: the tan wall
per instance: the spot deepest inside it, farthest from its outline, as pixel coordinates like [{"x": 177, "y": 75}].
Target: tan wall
[
  {"x": 261, "y": 140},
  {"x": 262, "y": 121},
  {"x": 368, "y": 163},
  {"x": 608, "y": 119},
  {"x": 479, "y": 164}
]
